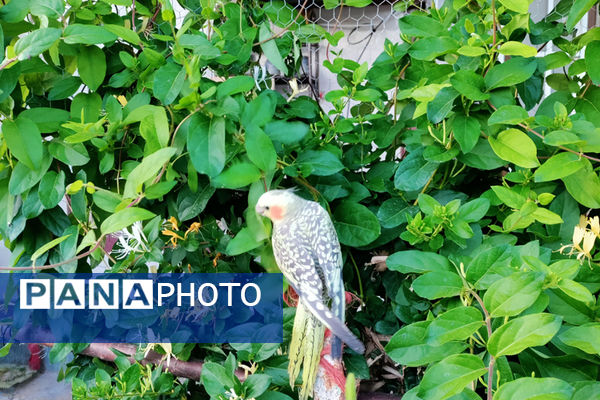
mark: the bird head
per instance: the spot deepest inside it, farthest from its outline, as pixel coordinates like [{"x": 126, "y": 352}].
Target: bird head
[{"x": 277, "y": 204}]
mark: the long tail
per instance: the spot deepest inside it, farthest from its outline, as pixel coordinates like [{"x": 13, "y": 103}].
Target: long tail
[
  {"x": 337, "y": 327},
  {"x": 305, "y": 350}
]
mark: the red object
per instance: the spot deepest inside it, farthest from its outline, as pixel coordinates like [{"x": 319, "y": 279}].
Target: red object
[
  {"x": 35, "y": 359},
  {"x": 334, "y": 373}
]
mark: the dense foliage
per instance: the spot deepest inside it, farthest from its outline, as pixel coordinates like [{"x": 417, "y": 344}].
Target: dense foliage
[{"x": 451, "y": 161}]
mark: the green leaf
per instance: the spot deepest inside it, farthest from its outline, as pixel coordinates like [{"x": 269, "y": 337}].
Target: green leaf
[
  {"x": 430, "y": 48},
  {"x": 47, "y": 119},
  {"x": 469, "y": 84},
  {"x": 438, "y": 284},
  {"x": 392, "y": 212},
  {"x": 561, "y": 138},
  {"x": 576, "y": 291},
  {"x": 510, "y": 72},
  {"x": 585, "y": 337},
  {"x": 190, "y": 204},
  {"x": 256, "y": 384},
  {"x": 466, "y": 131},
  {"x": 355, "y": 224},
  {"x": 508, "y": 114},
  {"x": 36, "y": 42},
  {"x": 24, "y": 141},
  {"x": 450, "y": 376},
  {"x": 52, "y": 9},
  {"x": 456, "y": 324},
  {"x": 535, "y": 389},
  {"x": 287, "y": 132},
  {"x": 584, "y": 185},
  {"x": 52, "y": 189},
  {"x": 234, "y": 85},
  {"x": 520, "y": 333},
  {"x": 146, "y": 170},
  {"x": 154, "y": 126},
  {"x": 409, "y": 347},
  {"x": 592, "y": 55},
  {"x": 168, "y": 82},
  {"x": 124, "y": 33},
  {"x": 260, "y": 149},
  {"x": 577, "y": 11},
  {"x": 420, "y": 26},
  {"x": 243, "y": 242},
  {"x": 512, "y": 295},
  {"x": 474, "y": 210},
  {"x": 91, "y": 64},
  {"x": 87, "y": 34},
  {"x": 416, "y": 261},
  {"x": 520, "y": 6},
  {"x": 215, "y": 379},
  {"x": 51, "y": 244},
  {"x": 4, "y": 350},
  {"x": 441, "y": 105},
  {"x": 319, "y": 162},
  {"x": 206, "y": 144},
  {"x": 516, "y": 147},
  {"x": 237, "y": 176},
  {"x": 559, "y": 166},
  {"x": 23, "y": 178},
  {"x": 413, "y": 172},
  {"x": 517, "y": 49},
  {"x": 59, "y": 352},
  {"x": 269, "y": 48},
  {"x": 546, "y": 216},
  {"x": 122, "y": 219}
]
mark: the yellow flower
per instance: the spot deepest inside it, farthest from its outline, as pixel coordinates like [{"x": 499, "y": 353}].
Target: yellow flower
[
  {"x": 195, "y": 227},
  {"x": 174, "y": 236},
  {"x": 588, "y": 242},
  {"x": 173, "y": 223},
  {"x": 595, "y": 225}
]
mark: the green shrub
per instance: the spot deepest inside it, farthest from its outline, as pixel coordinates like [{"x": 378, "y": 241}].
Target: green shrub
[{"x": 449, "y": 160}]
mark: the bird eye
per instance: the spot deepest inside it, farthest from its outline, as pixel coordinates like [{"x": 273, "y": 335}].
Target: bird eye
[{"x": 267, "y": 207}]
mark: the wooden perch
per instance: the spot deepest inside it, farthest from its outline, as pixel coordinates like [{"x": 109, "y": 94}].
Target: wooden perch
[{"x": 185, "y": 369}]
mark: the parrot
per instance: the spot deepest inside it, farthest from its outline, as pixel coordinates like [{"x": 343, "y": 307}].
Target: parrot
[{"x": 308, "y": 253}]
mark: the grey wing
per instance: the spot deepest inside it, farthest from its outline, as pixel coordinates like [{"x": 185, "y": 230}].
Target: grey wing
[
  {"x": 328, "y": 254},
  {"x": 297, "y": 264}
]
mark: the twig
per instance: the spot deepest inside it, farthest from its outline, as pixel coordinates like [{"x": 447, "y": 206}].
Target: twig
[
  {"x": 494, "y": 27},
  {"x": 488, "y": 324},
  {"x": 58, "y": 264},
  {"x": 133, "y": 15}
]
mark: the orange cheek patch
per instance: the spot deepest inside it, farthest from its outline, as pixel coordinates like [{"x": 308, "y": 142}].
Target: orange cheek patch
[{"x": 276, "y": 212}]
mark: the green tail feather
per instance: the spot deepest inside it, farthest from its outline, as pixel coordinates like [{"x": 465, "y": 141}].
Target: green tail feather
[{"x": 305, "y": 350}]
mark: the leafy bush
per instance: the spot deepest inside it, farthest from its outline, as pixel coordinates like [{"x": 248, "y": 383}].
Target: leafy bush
[{"x": 451, "y": 160}]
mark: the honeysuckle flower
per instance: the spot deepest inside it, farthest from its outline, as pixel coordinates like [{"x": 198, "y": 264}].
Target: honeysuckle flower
[
  {"x": 583, "y": 239},
  {"x": 260, "y": 75},
  {"x": 173, "y": 236},
  {"x": 131, "y": 242},
  {"x": 595, "y": 225},
  {"x": 295, "y": 90},
  {"x": 195, "y": 227}
]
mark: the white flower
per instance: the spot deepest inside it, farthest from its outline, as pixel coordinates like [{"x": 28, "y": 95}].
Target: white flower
[
  {"x": 131, "y": 242},
  {"x": 260, "y": 75}
]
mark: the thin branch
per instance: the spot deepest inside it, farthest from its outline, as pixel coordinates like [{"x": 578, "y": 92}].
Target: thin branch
[
  {"x": 58, "y": 264},
  {"x": 494, "y": 26},
  {"x": 133, "y": 15},
  {"x": 488, "y": 324}
]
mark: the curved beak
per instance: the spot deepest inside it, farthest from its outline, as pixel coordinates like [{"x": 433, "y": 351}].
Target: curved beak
[{"x": 260, "y": 210}]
